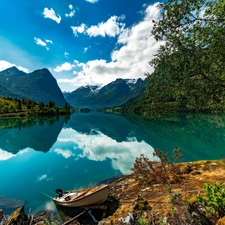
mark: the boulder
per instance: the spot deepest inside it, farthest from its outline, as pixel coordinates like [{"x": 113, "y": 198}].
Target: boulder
[
  {"x": 17, "y": 217},
  {"x": 129, "y": 219},
  {"x": 10, "y": 203}
]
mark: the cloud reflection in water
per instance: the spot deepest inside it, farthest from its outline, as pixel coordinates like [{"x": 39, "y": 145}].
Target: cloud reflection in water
[{"x": 98, "y": 147}]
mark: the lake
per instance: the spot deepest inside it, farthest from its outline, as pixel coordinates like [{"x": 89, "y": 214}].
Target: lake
[{"x": 38, "y": 155}]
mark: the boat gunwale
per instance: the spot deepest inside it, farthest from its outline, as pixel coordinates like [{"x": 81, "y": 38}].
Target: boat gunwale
[{"x": 78, "y": 198}]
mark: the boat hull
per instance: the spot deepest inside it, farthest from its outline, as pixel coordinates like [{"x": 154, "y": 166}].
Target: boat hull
[{"x": 89, "y": 198}]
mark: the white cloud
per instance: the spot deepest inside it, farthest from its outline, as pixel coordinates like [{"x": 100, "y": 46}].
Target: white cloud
[
  {"x": 24, "y": 151},
  {"x": 64, "y": 67},
  {"x": 99, "y": 147},
  {"x": 5, "y": 65},
  {"x": 72, "y": 12},
  {"x": 78, "y": 29},
  {"x": 92, "y": 1},
  {"x": 38, "y": 41},
  {"x": 85, "y": 49},
  {"x": 130, "y": 60},
  {"x": 42, "y": 177},
  {"x": 50, "y": 13},
  {"x": 4, "y": 155},
  {"x": 49, "y": 41},
  {"x": 111, "y": 28},
  {"x": 65, "y": 153},
  {"x": 66, "y": 54}
]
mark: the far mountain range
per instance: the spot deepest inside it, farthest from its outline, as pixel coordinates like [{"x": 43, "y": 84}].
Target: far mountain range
[{"x": 41, "y": 86}]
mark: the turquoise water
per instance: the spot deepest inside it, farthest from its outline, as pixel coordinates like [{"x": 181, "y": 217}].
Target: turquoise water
[{"x": 38, "y": 156}]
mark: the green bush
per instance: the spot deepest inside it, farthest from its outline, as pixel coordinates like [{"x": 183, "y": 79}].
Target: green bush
[{"x": 215, "y": 198}]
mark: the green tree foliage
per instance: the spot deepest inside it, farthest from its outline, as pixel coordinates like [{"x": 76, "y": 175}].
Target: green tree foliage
[
  {"x": 51, "y": 104},
  {"x": 18, "y": 107},
  {"x": 215, "y": 198},
  {"x": 41, "y": 106},
  {"x": 189, "y": 68}
]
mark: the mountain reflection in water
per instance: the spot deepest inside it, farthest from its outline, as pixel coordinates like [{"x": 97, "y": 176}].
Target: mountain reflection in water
[{"x": 39, "y": 155}]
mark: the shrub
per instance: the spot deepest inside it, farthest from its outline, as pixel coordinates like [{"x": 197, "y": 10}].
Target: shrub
[
  {"x": 215, "y": 198},
  {"x": 157, "y": 171}
]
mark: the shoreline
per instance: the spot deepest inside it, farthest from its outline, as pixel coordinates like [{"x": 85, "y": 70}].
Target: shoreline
[{"x": 128, "y": 197}]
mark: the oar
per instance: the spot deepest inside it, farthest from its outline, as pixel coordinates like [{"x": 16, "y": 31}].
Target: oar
[
  {"x": 71, "y": 220},
  {"x": 45, "y": 194}
]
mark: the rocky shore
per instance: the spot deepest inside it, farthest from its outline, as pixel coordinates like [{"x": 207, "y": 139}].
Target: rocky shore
[{"x": 133, "y": 201}]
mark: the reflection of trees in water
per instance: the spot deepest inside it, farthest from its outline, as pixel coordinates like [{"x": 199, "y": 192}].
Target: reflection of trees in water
[
  {"x": 38, "y": 133},
  {"x": 8, "y": 123},
  {"x": 198, "y": 135},
  {"x": 114, "y": 126}
]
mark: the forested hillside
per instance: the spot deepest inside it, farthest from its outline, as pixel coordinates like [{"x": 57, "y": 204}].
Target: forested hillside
[
  {"x": 40, "y": 85},
  {"x": 23, "y": 107},
  {"x": 189, "y": 69}
]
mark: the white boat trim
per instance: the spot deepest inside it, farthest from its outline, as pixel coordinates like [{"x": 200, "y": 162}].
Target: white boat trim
[{"x": 85, "y": 197}]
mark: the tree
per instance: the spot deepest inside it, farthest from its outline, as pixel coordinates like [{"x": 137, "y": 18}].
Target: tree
[
  {"x": 190, "y": 66},
  {"x": 41, "y": 106},
  {"x": 51, "y": 104},
  {"x": 66, "y": 107},
  {"x": 19, "y": 105},
  {"x": 28, "y": 104}
]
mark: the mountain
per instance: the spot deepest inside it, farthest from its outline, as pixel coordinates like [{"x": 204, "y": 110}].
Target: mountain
[
  {"x": 113, "y": 94},
  {"x": 39, "y": 85}
]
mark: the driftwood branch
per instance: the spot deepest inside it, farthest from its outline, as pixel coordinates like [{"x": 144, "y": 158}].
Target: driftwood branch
[{"x": 71, "y": 220}]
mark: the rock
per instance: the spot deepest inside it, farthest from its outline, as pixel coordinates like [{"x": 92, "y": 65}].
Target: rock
[
  {"x": 10, "y": 203},
  {"x": 221, "y": 221},
  {"x": 1, "y": 215},
  {"x": 109, "y": 222},
  {"x": 129, "y": 219},
  {"x": 45, "y": 217},
  {"x": 17, "y": 217}
]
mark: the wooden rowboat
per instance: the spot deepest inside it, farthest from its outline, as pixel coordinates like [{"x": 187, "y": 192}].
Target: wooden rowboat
[{"x": 84, "y": 197}]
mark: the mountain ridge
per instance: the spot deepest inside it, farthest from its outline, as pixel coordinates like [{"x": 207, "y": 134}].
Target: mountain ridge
[
  {"x": 113, "y": 94},
  {"x": 39, "y": 85}
]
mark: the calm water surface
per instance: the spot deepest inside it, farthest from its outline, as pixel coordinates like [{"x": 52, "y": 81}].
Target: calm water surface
[{"x": 37, "y": 156}]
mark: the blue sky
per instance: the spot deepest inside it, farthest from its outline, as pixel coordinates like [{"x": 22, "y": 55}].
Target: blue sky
[{"x": 80, "y": 41}]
